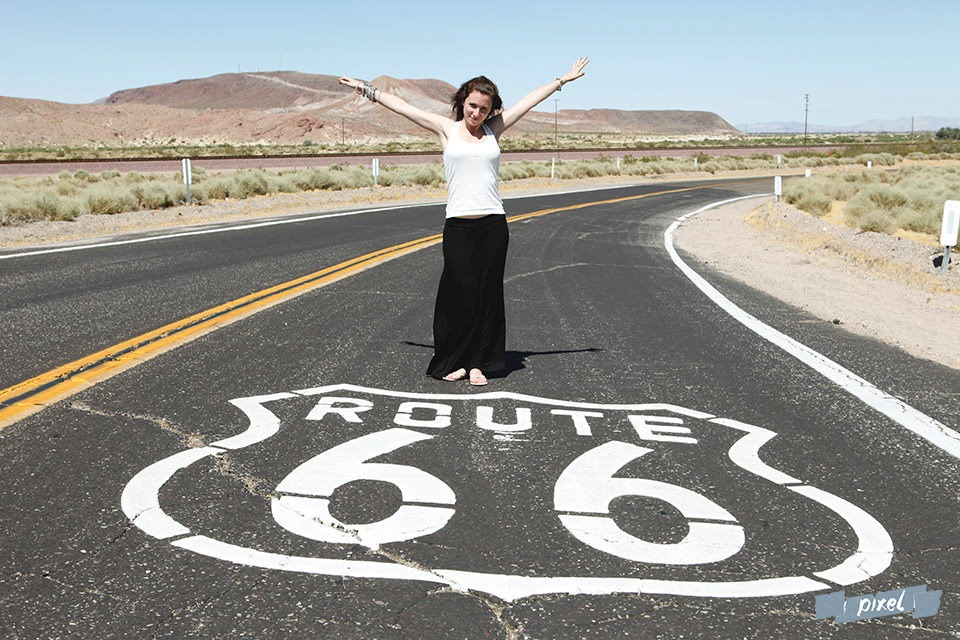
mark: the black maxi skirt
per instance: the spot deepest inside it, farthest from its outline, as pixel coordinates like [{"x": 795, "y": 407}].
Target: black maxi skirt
[{"x": 469, "y": 322}]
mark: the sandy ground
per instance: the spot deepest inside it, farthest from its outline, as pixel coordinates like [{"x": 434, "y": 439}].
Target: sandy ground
[
  {"x": 869, "y": 283},
  {"x": 872, "y": 284}
]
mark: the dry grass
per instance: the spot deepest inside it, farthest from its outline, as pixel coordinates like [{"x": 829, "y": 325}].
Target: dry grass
[
  {"x": 906, "y": 200},
  {"x": 875, "y": 200}
]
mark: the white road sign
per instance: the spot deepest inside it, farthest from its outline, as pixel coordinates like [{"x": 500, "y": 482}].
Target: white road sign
[{"x": 951, "y": 223}]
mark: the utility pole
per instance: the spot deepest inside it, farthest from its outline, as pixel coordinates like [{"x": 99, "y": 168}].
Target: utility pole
[
  {"x": 806, "y": 113},
  {"x": 556, "y": 125}
]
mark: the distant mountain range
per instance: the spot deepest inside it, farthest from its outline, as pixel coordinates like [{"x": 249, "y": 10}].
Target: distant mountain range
[
  {"x": 324, "y": 97},
  {"x": 899, "y": 125},
  {"x": 289, "y": 107}
]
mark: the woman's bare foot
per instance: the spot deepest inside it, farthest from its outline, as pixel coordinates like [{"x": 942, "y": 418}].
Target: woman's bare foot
[
  {"x": 455, "y": 376},
  {"x": 477, "y": 378}
]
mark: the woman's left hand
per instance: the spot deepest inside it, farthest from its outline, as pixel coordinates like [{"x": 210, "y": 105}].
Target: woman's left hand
[{"x": 576, "y": 71}]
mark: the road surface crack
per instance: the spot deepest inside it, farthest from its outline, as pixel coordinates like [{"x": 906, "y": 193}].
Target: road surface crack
[{"x": 191, "y": 439}]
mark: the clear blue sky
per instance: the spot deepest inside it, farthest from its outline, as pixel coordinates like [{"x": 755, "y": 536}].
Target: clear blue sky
[{"x": 749, "y": 61}]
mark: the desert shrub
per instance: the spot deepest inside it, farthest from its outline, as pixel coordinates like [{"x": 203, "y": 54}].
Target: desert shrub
[
  {"x": 311, "y": 179},
  {"x": 525, "y": 169},
  {"x": 880, "y": 196},
  {"x": 156, "y": 195},
  {"x": 248, "y": 183},
  {"x": 876, "y": 220},
  {"x": 877, "y": 207},
  {"x": 658, "y": 168},
  {"x": 736, "y": 163},
  {"x": 651, "y": 166},
  {"x": 816, "y": 161},
  {"x": 809, "y": 195},
  {"x": 350, "y": 177},
  {"x": 878, "y": 159},
  {"x": 282, "y": 184},
  {"x": 921, "y": 220},
  {"x": 711, "y": 166},
  {"x": 563, "y": 171},
  {"x": 12, "y": 210},
  {"x": 573, "y": 170},
  {"x": 48, "y": 206},
  {"x": 430, "y": 175},
  {"x": 910, "y": 198},
  {"x": 586, "y": 169},
  {"x": 66, "y": 189},
  {"x": 213, "y": 188},
  {"x": 43, "y": 205},
  {"x": 104, "y": 200},
  {"x": 864, "y": 177}
]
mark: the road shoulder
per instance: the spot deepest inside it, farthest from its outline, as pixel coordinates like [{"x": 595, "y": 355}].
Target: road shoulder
[{"x": 868, "y": 283}]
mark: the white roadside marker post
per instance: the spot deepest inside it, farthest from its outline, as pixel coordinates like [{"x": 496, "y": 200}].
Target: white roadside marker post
[
  {"x": 949, "y": 229},
  {"x": 187, "y": 176}
]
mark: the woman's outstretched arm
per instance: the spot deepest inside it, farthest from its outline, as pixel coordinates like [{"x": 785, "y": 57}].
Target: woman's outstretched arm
[
  {"x": 430, "y": 121},
  {"x": 511, "y": 116}
]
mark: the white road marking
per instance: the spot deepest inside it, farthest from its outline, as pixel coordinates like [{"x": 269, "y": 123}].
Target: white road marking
[
  {"x": 199, "y": 232},
  {"x": 900, "y": 412},
  {"x": 576, "y": 492}
]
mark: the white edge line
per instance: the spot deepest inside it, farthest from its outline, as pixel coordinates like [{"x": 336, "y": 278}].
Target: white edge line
[
  {"x": 900, "y": 412},
  {"x": 200, "y": 232}
]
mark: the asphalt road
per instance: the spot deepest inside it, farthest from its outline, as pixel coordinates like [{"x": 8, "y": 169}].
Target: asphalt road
[{"x": 647, "y": 466}]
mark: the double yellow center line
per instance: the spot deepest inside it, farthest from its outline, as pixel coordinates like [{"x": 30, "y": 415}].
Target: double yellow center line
[{"x": 32, "y": 395}]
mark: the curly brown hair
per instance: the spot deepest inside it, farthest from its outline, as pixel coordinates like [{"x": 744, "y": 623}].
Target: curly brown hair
[{"x": 480, "y": 84}]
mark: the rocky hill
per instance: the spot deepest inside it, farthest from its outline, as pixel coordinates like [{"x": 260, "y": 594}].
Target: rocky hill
[{"x": 290, "y": 108}]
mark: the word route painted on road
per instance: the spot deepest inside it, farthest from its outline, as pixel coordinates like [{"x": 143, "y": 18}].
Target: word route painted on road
[{"x": 507, "y": 494}]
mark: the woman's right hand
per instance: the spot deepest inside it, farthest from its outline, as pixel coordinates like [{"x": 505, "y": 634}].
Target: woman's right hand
[{"x": 353, "y": 83}]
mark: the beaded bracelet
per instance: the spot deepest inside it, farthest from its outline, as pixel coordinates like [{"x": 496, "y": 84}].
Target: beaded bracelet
[
  {"x": 369, "y": 92},
  {"x": 560, "y": 88}
]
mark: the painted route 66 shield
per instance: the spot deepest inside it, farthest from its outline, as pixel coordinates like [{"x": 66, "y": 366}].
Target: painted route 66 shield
[{"x": 506, "y": 494}]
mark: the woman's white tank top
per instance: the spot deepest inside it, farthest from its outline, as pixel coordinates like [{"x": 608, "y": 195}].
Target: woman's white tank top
[{"x": 471, "y": 169}]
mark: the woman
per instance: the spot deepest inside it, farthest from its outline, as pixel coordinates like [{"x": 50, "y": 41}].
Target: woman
[{"x": 469, "y": 326}]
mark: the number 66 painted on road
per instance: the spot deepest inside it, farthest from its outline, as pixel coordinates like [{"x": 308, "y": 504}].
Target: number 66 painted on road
[
  {"x": 583, "y": 492},
  {"x": 587, "y": 485},
  {"x": 308, "y": 514}
]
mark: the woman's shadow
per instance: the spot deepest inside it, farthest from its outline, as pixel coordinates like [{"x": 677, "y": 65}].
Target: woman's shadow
[{"x": 515, "y": 360}]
